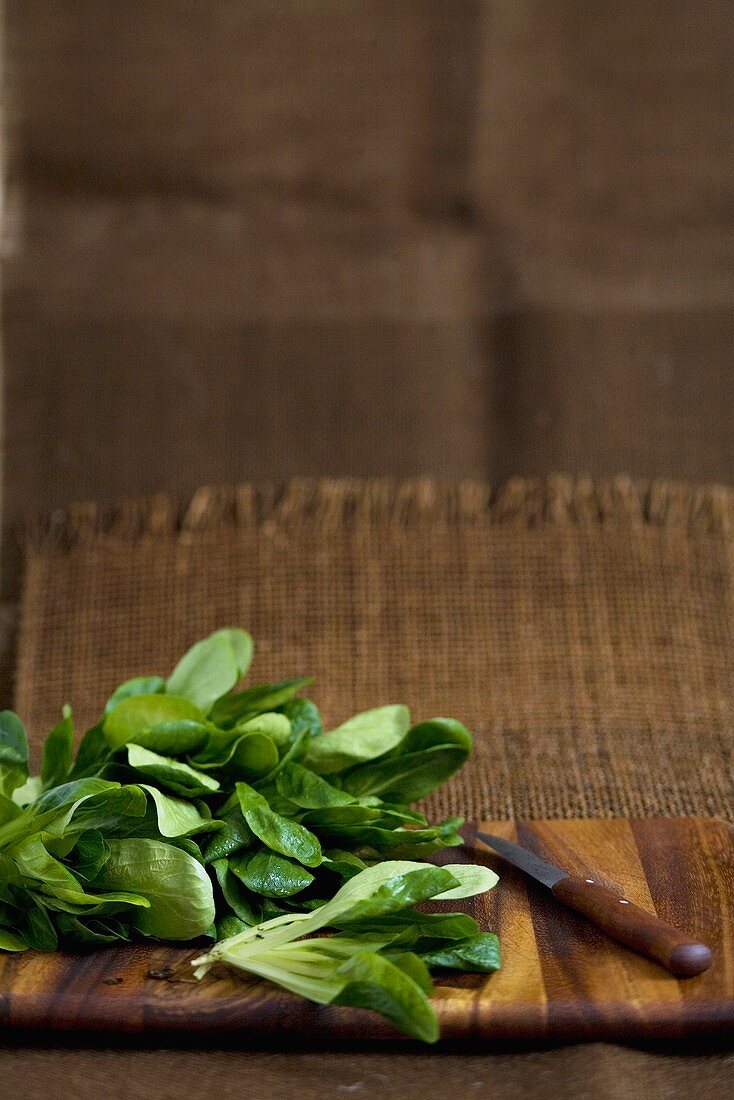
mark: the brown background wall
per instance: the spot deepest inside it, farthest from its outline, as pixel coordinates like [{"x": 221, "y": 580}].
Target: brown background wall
[{"x": 473, "y": 239}]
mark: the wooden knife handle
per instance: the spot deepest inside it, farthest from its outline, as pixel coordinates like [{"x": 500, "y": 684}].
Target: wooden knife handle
[{"x": 634, "y": 927}]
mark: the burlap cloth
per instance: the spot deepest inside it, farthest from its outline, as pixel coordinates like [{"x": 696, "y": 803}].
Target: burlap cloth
[{"x": 583, "y": 631}]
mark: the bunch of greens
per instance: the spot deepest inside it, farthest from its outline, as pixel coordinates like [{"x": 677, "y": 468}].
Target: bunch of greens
[
  {"x": 381, "y": 955},
  {"x": 194, "y": 809}
]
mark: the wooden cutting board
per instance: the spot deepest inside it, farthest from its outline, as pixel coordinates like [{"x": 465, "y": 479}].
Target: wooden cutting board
[{"x": 561, "y": 980}]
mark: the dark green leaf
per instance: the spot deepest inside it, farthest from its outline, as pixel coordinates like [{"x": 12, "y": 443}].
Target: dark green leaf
[
  {"x": 186, "y": 844},
  {"x": 374, "y": 982},
  {"x": 414, "y": 966},
  {"x": 344, "y": 864},
  {"x": 479, "y": 954},
  {"x": 233, "y": 835},
  {"x": 90, "y": 854},
  {"x": 295, "y": 750},
  {"x": 428, "y": 926},
  {"x": 90, "y": 930},
  {"x": 67, "y": 794},
  {"x": 58, "y": 751},
  {"x": 13, "y": 752},
  {"x": 106, "y": 811},
  {"x": 303, "y": 716},
  {"x": 245, "y": 907},
  {"x": 277, "y": 832},
  {"x": 229, "y": 926},
  {"x": 11, "y": 941},
  {"x": 231, "y": 709},
  {"x": 10, "y": 879},
  {"x": 399, "y": 842},
  {"x": 247, "y": 755},
  {"x": 307, "y": 790},
  {"x": 38, "y": 931},
  {"x": 272, "y": 875},
  {"x": 12, "y": 807},
  {"x": 333, "y": 817},
  {"x": 92, "y": 754}
]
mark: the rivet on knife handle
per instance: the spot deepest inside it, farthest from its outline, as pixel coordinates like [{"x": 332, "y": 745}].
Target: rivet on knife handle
[{"x": 632, "y": 926}]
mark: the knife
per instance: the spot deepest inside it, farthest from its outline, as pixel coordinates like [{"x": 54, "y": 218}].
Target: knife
[{"x": 615, "y": 915}]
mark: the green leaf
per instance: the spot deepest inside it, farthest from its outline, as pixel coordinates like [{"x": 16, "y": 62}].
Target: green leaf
[
  {"x": 28, "y": 792},
  {"x": 307, "y": 790},
  {"x": 472, "y": 879},
  {"x": 105, "y": 811},
  {"x": 299, "y": 742},
  {"x": 13, "y": 752},
  {"x": 172, "y": 738},
  {"x": 479, "y": 954},
  {"x": 363, "y": 977},
  {"x": 91, "y": 852},
  {"x": 244, "y": 906},
  {"x": 210, "y": 668},
  {"x": 92, "y": 754},
  {"x": 234, "y": 834},
  {"x": 375, "y": 983},
  {"x": 178, "y": 817},
  {"x": 243, "y": 647},
  {"x": 270, "y": 874},
  {"x": 10, "y": 880},
  {"x": 38, "y": 931},
  {"x": 383, "y": 836},
  {"x": 363, "y": 737},
  {"x": 142, "y": 712},
  {"x": 11, "y": 941},
  {"x": 273, "y": 723},
  {"x": 303, "y": 716},
  {"x": 386, "y": 888},
  {"x": 253, "y": 756},
  {"x": 229, "y": 926},
  {"x": 430, "y": 927},
  {"x": 90, "y": 930},
  {"x": 255, "y": 700},
  {"x": 175, "y": 884},
  {"x": 414, "y": 966},
  {"x": 58, "y": 751},
  {"x": 139, "y": 685},
  {"x": 430, "y": 752},
  {"x": 57, "y": 886},
  {"x": 353, "y": 814},
  {"x": 172, "y": 774},
  {"x": 54, "y": 809},
  {"x": 379, "y": 890},
  {"x": 244, "y": 755},
  {"x": 70, "y": 794},
  {"x": 344, "y": 864},
  {"x": 186, "y": 844},
  {"x": 277, "y": 832},
  {"x": 342, "y": 971}
]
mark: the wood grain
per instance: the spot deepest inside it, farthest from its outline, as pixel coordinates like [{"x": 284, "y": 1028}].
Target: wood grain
[{"x": 561, "y": 979}]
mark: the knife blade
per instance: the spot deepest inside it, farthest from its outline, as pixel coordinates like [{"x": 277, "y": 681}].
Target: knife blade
[{"x": 624, "y": 922}]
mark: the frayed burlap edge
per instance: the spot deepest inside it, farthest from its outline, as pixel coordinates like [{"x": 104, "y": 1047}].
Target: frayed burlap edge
[{"x": 352, "y": 503}]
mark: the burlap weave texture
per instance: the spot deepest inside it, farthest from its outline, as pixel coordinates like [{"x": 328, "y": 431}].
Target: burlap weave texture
[{"x": 582, "y": 631}]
